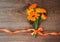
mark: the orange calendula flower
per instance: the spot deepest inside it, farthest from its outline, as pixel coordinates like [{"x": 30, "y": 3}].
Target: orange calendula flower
[
  {"x": 40, "y": 10},
  {"x": 33, "y": 6},
  {"x": 33, "y": 16},
  {"x": 43, "y": 16}
]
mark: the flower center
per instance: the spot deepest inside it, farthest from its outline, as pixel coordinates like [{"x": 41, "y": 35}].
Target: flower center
[{"x": 33, "y": 16}]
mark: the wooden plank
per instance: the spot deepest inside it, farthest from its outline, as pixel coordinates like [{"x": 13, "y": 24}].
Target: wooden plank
[{"x": 11, "y": 19}]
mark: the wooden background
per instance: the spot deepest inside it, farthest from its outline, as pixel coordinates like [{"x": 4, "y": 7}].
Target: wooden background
[{"x": 10, "y": 18}]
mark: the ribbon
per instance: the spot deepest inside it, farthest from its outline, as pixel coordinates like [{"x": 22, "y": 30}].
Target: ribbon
[{"x": 38, "y": 32}]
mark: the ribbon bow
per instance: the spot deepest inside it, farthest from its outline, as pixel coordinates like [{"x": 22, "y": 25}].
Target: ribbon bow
[{"x": 39, "y": 31}]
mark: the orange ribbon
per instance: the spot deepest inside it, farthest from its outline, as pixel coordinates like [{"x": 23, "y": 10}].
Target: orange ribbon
[{"x": 38, "y": 32}]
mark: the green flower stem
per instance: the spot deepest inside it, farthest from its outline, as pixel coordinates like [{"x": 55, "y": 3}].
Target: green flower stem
[{"x": 36, "y": 25}]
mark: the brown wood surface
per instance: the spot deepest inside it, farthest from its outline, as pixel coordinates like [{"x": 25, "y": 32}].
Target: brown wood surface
[{"x": 11, "y": 19}]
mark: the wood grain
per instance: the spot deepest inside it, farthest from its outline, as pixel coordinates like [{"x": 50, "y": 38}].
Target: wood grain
[{"x": 11, "y": 19}]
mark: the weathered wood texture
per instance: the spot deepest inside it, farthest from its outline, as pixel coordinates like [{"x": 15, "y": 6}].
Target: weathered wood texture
[{"x": 11, "y": 19}]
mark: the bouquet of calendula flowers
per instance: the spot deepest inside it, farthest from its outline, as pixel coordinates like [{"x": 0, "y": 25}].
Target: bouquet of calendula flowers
[{"x": 36, "y": 15}]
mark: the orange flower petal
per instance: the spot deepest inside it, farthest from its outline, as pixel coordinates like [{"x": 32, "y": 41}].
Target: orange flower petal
[
  {"x": 29, "y": 11},
  {"x": 44, "y": 17},
  {"x": 42, "y": 10},
  {"x": 33, "y": 6}
]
